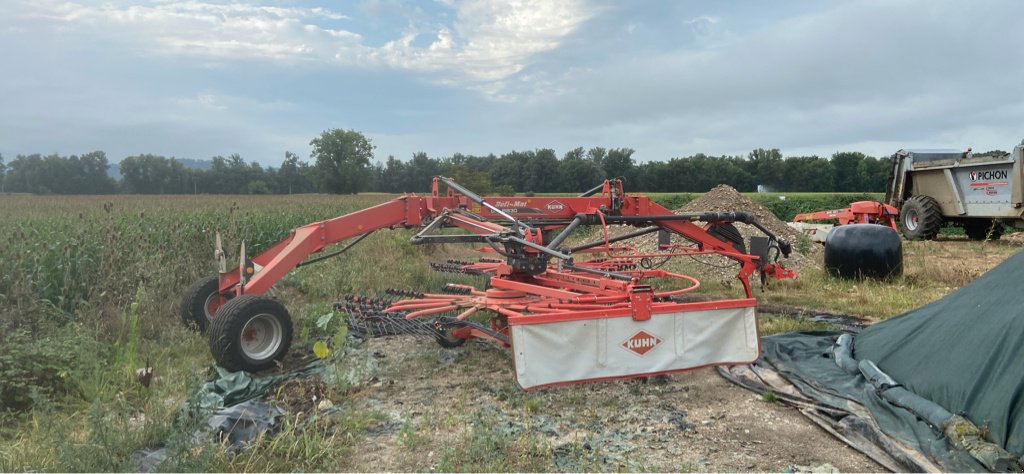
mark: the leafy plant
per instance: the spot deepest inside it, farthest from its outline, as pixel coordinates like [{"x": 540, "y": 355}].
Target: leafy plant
[{"x": 48, "y": 367}]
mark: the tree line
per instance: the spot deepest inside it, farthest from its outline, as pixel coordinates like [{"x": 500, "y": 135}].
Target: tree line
[{"x": 342, "y": 161}]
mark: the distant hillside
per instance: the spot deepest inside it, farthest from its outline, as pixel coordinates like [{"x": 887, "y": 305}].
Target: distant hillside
[{"x": 114, "y": 169}]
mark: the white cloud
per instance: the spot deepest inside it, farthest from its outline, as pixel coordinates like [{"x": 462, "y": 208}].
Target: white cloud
[
  {"x": 199, "y": 29},
  {"x": 859, "y": 73},
  {"x": 488, "y": 41}
]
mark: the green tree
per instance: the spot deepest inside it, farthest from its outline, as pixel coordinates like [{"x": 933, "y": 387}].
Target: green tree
[
  {"x": 476, "y": 181},
  {"x": 91, "y": 174},
  {"x": 392, "y": 176},
  {"x": 420, "y": 172},
  {"x": 510, "y": 171},
  {"x": 766, "y": 167},
  {"x": 258, "y": 187},
  {"x": 55, "y": 174},
  {"x": 542, "y": 172},
  {"x": 578, "y": 173},
  {"x": 618, "y": 163},
  {"x": 807, "y": 174},
  {"x": 292, "y": 175},
  {"x": 26, "y": 174},
  {"x": 146, "y": 174},
  {"x": 876, "y": 171},
  {"x": 700, "y": 173},
  {"x": 850, "y": 176},
  {"x": 342, "y": 161},
  {"x": 3, "y": 173}
]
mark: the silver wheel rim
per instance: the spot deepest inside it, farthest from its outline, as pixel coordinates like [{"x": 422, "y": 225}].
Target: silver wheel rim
[
  {"x": 911, "y": 220},
  {"x": 261, "y": 337},
  {"x": 206, "y": 307}
]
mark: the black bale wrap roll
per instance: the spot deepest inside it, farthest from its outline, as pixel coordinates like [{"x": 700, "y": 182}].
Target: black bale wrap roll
[{"x": 864, "y": 251}]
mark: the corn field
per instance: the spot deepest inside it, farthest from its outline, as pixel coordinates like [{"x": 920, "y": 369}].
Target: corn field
[{"x": 66, "y": 256}]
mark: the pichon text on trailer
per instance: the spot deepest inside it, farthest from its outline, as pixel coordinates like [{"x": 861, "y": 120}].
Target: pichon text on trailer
[{"x": 988, "y": 174}]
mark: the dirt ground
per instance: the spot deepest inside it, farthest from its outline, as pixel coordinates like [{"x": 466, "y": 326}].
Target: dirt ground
[
  {"x": 438, "y": 409},
  {"x": 430, "y": 398},
  {"x": 437, "y": 404}
]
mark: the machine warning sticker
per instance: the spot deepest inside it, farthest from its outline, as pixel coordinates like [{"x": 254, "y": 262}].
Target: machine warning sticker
[{"x": 641, "y": 343}]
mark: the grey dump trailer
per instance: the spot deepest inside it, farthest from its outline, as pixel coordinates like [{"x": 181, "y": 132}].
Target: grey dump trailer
[{"x": 936, "y": 188}]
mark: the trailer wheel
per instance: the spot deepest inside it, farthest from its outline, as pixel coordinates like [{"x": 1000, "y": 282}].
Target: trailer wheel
[
  {"x": 200, "y": 302},
  {"x": 983, "y": 229},
  {"x": 250, "y": 333},
  {"x": 920, "y": 218}
]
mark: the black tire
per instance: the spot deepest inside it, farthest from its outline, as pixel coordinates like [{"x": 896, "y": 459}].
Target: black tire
[
  {"x": 920, "y": 218},
  {"x": 268, "y": 342},
  {"x": 195, "y": 304},
  {"x": 983, "y": 229}
]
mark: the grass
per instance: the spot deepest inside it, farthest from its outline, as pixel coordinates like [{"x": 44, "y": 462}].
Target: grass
[
  {"x": 490, "y": 446},
  {"x": 931, "y": 270},
  {"x": 768, "y": 324},
  {"x": 89, "y": 288}
]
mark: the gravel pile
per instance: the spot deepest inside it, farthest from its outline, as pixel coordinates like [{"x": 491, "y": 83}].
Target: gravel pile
[{"x": 725, "y": 198}]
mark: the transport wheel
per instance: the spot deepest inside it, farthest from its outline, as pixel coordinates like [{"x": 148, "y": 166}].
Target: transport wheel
[
  {"x": 920, "y": 218},
  {"x": 201, "y": 301},
  {"x": 250, "y": 333},
  {"x": 983, "y": 229}
]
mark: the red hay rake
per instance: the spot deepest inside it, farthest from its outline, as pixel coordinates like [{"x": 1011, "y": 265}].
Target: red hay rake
[{"x": 566, "y": 319}]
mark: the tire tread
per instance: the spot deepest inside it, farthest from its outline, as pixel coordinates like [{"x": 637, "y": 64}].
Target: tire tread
[
  {"x": 192, "y": 311},
  {"x": 226, "y": 330},
  {"x": 929, "y": 220}
]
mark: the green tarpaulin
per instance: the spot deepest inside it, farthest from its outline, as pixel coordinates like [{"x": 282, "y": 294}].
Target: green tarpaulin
[
  {"x": 940, "y": 387},
  {"x": 963, "y": 352}
]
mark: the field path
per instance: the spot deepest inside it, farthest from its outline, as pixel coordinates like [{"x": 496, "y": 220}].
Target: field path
[{"x": 430, "y": 398}]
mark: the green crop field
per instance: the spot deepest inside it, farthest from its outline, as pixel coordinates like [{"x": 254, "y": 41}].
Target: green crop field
[{"x": 89, "y": 288}]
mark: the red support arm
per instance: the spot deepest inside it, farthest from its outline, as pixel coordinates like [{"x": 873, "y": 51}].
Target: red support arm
[
  {"x": 412, "y": 210},
  {"x": 278, "y": 260}
]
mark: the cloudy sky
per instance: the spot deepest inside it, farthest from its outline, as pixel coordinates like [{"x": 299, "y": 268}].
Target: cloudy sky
[{"x": 196, "y": 78}]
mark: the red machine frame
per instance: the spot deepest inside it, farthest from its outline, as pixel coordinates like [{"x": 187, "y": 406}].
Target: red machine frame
[
  {"x": 860, "y": 212},
  {"x": 538, "y": 279}
]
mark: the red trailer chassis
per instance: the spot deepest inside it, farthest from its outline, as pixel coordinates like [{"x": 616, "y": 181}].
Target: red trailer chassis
[
  {"x": 860, "y": 212},
  {"x": 538, "y": 288}
]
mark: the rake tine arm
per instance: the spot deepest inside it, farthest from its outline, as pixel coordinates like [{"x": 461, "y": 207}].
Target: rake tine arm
[
  {"x": 469, "y": 312},
  {"x": 428, "y": 312}
]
